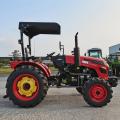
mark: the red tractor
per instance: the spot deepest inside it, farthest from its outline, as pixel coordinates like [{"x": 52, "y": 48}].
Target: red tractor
[{"x": 28, "y": 84}]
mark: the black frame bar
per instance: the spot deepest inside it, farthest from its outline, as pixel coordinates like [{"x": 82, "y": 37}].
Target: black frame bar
[{"x": 22, "y": 45}]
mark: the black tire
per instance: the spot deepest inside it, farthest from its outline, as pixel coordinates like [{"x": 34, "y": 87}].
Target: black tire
[
  {"x": 106, "y": 94},
  {"x": 46, "y": 87},
  {"x": 113, "y": 83},
  {"x": 9, "y": 85}
]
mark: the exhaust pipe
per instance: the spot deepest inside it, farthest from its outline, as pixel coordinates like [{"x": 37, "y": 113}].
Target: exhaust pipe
[{"x": 76, "y": 52}]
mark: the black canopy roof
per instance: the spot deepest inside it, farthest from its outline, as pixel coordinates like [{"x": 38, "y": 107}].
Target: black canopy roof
[{"x": 32, "y": 29}]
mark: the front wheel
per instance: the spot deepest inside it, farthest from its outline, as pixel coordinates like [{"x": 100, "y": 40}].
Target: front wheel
[
  {"x": 25, "y": 87},
  {"x": 97, "y": 93}
]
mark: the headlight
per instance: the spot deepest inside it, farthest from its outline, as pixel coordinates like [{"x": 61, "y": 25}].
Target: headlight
[{"x": 103, "y": 70}]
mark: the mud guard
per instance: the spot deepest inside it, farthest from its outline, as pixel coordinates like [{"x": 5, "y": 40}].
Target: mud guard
[{"x": 41, "y": 66}]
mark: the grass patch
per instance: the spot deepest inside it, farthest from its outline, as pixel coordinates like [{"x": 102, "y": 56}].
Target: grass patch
[
  {"x": 53, "y": 69},
  {"x": 5, "y": 70},
  {"x": 8, "y": 70}
]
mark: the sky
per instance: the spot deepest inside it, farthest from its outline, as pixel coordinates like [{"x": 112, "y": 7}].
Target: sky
[{"x": 97, "y": 21}]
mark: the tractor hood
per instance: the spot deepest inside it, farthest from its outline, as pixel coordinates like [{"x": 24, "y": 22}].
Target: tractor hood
[
  {"x": 99, "y": 61},
  {"x": 86, "y": 60},
  {"x": 32, "y": 29}
]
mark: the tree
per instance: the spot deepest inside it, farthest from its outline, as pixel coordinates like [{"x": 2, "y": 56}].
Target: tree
[{"x": 16, "y": 54}]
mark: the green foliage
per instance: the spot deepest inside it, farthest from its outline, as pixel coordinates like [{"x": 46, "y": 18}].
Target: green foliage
[
  {"x": 116, "y": 63},
  {"x": 4, "y": 62},
  {"x": 15, "y": 54},
  {"x": 1, "y": 64},
  {"x": 5, "y": 70}
]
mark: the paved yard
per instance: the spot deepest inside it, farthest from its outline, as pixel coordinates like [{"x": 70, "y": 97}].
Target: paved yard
[{"x": 60, "y": 104}]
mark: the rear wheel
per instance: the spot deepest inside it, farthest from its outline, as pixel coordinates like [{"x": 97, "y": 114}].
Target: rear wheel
[
  {"x": 97, "y": 93},
  {"x": 26, "y": 87}
]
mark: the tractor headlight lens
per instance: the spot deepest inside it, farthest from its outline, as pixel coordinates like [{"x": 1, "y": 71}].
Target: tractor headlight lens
[{"x": 103, "y": 70}]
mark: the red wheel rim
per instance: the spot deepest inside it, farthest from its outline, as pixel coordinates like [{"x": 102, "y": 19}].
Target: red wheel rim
[
  {"x": 97, "y": 93},
  {"x": 15, "y": 88}
]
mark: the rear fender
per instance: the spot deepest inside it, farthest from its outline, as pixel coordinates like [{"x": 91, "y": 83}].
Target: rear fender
[
  {"x": 47, "y": 68},
  {"x": 42, "y": 67}
]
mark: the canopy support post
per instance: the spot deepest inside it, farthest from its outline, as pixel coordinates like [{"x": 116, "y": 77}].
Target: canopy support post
[
  {"x": 22, "y": 45},
  {"x": 29, "y": 39}
]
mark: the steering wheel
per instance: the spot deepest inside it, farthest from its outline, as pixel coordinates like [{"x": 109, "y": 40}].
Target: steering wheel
[{"x": 51, "y": 54}]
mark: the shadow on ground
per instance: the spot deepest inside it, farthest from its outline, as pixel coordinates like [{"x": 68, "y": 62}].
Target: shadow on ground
[{"x": 52, "y": 102}]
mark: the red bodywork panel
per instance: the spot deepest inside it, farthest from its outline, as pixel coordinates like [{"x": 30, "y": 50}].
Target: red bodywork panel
[
  {"x": 41, "y": 66},
  {"x": 87, "y": 62}
]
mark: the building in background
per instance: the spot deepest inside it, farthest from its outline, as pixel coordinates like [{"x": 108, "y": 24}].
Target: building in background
[
  {"x": 114, "y": 59},
  {"x": 114, "y": 51}
]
